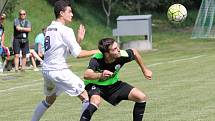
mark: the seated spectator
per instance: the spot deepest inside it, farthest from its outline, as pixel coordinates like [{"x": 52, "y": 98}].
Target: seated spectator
[
  {"x": 39, "y": 43},
  {"x": 31, "y": 56}
]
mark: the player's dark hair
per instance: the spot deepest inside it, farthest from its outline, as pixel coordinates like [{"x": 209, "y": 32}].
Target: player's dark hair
[
  {"x": 59, "y": 6},
  {"x": 104, "y": 44}
]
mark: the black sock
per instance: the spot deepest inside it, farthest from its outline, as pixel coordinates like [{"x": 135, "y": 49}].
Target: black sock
[
  {"x": 138, "y": 111},
  {"x": 87, "y": 114}
]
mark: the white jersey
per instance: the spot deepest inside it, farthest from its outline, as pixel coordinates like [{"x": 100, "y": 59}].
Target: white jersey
[{"x": 58, "y": 40}]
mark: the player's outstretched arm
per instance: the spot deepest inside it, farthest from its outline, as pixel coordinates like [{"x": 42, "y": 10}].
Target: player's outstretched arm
[
  {"x": 92, "y": 75},
  {"x": 87, "y": 53},
  {"x": 147, "y": 73}
]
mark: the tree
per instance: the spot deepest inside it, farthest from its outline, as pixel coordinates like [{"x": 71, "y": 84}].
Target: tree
[
  {"x": 133, "y": 5},
  {"x": 107, "y": 6}
]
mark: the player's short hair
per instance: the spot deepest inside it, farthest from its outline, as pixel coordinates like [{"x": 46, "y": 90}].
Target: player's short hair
[
  {"x": 104, "y": 44},
  {"x": 59, "y": 6}
]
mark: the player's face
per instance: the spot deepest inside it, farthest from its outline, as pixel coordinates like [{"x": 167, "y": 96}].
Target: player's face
[
  {"x": 114, "y": 51},
  {"x": 67, "y": 14}
]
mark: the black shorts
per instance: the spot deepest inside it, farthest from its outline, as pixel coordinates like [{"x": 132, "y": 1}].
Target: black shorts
[
  {"x": 112, "y": 93},
  {"x": 17, "y": 46}
]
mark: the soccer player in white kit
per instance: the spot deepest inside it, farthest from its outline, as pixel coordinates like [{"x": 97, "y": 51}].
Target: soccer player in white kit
[{"x": 59, "y": 42}]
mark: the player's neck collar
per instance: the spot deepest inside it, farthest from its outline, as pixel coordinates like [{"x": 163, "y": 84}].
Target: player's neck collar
[{"x": 109, "y": 60}]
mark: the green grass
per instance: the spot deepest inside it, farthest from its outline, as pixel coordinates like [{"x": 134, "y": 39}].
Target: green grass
[{"x": 182, "y": 88}]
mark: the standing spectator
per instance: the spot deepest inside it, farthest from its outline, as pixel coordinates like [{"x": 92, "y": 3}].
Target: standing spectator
[
  {"x": 39, "y": 43},
  {"x": 22, "y": 27},
  {"x": 2, "y": 17}
]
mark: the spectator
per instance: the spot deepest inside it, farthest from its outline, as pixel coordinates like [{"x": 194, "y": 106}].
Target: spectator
[
  {"x": 2, "y": 17},
  {"x": 22, "y": 27},
  {"x": 39, "y": 43},
  {"x": 30, "y": 59},
  {"x": 33, "y": 56}
]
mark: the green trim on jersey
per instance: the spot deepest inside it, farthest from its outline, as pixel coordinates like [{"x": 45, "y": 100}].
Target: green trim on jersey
[
  {"x": 111, "y": 80},
  {"x": 98, "y": 56}
]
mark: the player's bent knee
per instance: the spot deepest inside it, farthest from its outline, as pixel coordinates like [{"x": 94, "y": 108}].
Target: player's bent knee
[
  {"x": 84, "y": 96},
  {"x": 95, "y": 100},
  {"x": 143, "y": 98},
  {"x": 137, "y": 95}
]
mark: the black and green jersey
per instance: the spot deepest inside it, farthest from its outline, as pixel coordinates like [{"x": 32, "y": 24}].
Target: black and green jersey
[{"x": 98, "y": 64}]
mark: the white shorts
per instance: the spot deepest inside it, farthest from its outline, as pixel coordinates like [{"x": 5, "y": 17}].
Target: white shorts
[{"x": 56, "y": 82}]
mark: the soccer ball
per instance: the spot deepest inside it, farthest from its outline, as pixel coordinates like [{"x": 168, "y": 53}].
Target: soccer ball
[{"x": 177, "y": 13}]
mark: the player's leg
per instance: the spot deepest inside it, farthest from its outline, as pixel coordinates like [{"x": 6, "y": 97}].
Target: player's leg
[
  {"x": 74, "y": 86},
  {"x": 140, "y": 98},
  {"x": 128, "y": 92},
  {"x": 42, "y": 107},
  {"x": 95, "y": 100},
  {"x": 51, "y": 91},
  {"x": 85, "y": 100}
]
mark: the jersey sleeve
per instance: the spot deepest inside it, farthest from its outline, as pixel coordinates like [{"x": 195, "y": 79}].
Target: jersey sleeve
[
  {"x": 127, "y": 55},
  {"x": 130, "y": 54},
  {"x": 93, "y": 64},
  {"x": 70, "y": 40}
]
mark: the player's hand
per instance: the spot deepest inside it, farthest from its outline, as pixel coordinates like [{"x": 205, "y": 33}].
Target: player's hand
[
  {"x": 106, "y": 74},
  {"x": 81, "y": 33},
  {"x": 147, "y": 74}
]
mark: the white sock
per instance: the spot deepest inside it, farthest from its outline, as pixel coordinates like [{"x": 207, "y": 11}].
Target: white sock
[
  {"x": 85, "y": 104},
  {"x": 40, "y": 110}
]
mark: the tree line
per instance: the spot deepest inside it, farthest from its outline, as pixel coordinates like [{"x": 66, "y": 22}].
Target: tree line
[{"x": 114, "y": 8}]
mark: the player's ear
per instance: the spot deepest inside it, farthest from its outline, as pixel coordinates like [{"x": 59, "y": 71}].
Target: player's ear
[{"x": 61, "y": 13}]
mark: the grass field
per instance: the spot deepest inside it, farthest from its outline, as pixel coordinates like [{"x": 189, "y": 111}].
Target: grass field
[
  {"x": 183, "y": 82},
  {"x": 182, "y": 88}
]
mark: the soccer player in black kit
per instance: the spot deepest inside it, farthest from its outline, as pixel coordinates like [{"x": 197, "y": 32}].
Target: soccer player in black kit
[{"x": 102, "y": 79}]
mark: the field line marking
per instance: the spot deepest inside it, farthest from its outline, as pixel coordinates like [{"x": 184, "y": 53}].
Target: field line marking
[
  {"x": 174, "y": 61},
  {"x": 155, "y": 64},
  {"x": 23, "y": 86},
  {"x": 184, "y": 59}
]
